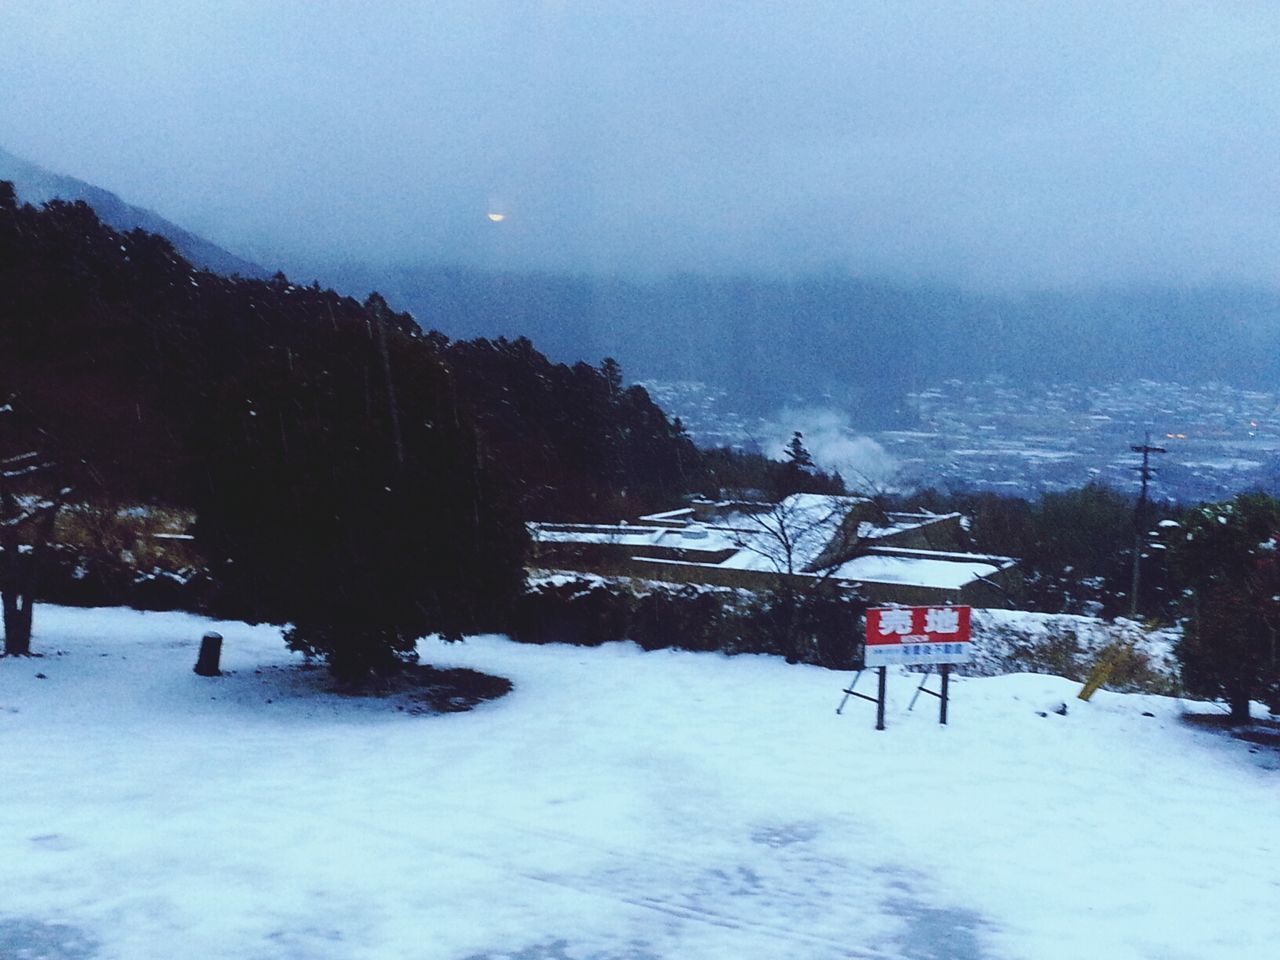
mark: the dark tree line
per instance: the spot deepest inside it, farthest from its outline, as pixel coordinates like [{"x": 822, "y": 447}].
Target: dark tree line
[
  {"x": 352, "y": 476},
  {"x": 1227, "y": 557},
  {"x": 575, "y": 443},
  {"x": 1075, "y": 546}
]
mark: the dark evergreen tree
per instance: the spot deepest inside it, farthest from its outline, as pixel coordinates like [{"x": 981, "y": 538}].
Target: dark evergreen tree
[
  {"x": 346, "y": 494},
  {"x": 31, "y": 496},
  {"x": 611, "y": 370},
  {"x": 1075, "y": 546},
  {"x": 799, "y": 474},
  {"x": 576, "y": 443},
  {"x": 336, "y": 470},
  {"x": 798, "y": 457},
  {"x": 1226, "y": 556}
]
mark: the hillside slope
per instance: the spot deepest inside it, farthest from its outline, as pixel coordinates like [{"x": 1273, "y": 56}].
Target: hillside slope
[{"x": 36, "y": 185}]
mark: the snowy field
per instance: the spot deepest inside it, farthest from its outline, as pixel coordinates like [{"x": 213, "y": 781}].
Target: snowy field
[{"x": 618, "y": 805}]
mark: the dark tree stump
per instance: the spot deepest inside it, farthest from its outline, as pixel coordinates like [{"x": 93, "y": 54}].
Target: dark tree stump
[{"x": 210, "y": 654}]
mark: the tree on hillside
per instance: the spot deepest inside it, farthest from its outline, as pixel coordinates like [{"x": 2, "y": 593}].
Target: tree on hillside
[
  {"x": 1083, "y": 540},
  {"x": 30, "y": 500},
  {"x": 1226, "y": 557},
  {"x": 798, "y": 473},
  {"x": 344, "y": 491},
  {"x": 734, "y": 474},
  {"x": 798, "y": 458},
  {"x": 576, "y": 443},
  {"x": 804, "y": 538},
  {"x": 1076, "y": 546},
  {"x": 805, "y": 533},
  {"x": 611, "y": 370}
]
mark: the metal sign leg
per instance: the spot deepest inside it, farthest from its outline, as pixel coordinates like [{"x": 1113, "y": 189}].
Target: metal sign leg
[
  {"x": 848, "y": 692},
  {"x": 944, "y": 696},
  {"x": 923, "y": 680},
  {"x": 946, "y": 689},
  {"x": 880, "y": 700}
]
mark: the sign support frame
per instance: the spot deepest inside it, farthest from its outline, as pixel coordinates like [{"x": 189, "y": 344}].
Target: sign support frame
[
  {"x": 944, "y": 697},
  {"x": 878, "y": 699},
  {"x": 935, "y": 635}
]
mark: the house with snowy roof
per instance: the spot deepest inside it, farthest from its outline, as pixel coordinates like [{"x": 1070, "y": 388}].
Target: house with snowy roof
[{"x": 914, "y": 558}]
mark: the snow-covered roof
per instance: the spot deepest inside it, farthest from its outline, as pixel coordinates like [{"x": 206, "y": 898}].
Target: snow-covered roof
[
  {"x": 788, "y": 537},
  {"x": 921, "y": 568},
  {"x": 684, "y": 513},
  {"x": 691, "y": 537}
]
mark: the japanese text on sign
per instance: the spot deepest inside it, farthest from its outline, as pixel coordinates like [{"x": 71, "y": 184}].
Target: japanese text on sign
[{"x": 911, "y": 635}]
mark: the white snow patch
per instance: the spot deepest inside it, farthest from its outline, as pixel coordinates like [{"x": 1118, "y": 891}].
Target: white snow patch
[{"x": 618, "y": 804}]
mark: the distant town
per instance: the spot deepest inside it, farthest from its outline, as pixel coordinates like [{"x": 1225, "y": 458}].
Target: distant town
[{"x": 1024, "y": 439}]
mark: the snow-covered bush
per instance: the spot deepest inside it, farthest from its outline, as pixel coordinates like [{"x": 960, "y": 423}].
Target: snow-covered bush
[{"x": 1009, "y": 641}]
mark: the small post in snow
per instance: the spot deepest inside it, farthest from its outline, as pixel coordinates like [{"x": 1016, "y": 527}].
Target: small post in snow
[{"x": 210, "y": 654}]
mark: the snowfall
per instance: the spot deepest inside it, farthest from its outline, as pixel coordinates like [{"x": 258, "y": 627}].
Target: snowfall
[{"x": 616, "y": 805}]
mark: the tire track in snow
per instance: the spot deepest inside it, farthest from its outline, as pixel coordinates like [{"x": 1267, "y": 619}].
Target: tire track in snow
[{"x": 611, "y": 889}]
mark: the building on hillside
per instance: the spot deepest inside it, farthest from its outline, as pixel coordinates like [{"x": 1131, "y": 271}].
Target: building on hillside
[{"x": 913, "y": 558}]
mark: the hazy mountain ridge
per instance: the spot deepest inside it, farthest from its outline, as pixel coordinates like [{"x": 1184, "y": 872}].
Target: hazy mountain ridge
[
  {"x": 856, "y": 344},
  {"x": 36, "y": 185}
]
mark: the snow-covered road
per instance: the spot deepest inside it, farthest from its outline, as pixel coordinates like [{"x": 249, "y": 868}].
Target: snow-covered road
[{"x": 618, "y": 805}]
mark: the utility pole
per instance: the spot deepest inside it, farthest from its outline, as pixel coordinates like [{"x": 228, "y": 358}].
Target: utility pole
[{"x": 1140, "y": 515}]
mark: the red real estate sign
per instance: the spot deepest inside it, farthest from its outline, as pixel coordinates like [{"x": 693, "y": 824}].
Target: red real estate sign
[{"x": 909, "y": 635}]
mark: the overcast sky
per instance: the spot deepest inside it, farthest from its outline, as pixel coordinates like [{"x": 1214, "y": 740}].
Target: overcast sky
[{"x": 1013, "y": 144}]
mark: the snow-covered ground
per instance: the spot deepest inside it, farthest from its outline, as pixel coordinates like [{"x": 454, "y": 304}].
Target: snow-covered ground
[{"x": 618, "y": 805}]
